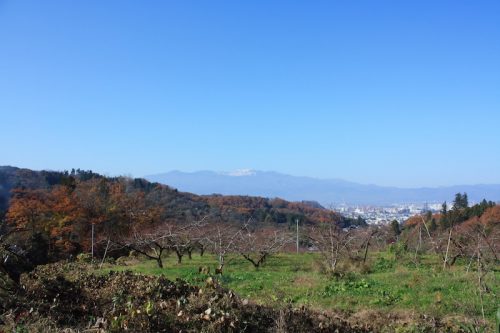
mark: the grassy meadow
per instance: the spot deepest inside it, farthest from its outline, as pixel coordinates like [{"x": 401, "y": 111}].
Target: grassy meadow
[{"x": 384, "y": 284}]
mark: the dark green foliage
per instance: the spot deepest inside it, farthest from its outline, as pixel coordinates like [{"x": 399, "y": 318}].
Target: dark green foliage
[
  {"x": 461, "y": 210},
  {"x": 386, "y": 298},
  {"x": 37, "y": 249},
  {"x": 13, "y": 262},
  {"x": 15, "y": 259},
  {"x": 399, "y": 250},
  {"x": 383, "y": 265},
  {"x": 444, "y": 208},
  {"x": 497, "y": 326},
  {"x": 348, "y": 222},
  {"x": 461, "y": 201},
  {"x": 444, "y": 221},
  {"x": 395, "y": 228},
  {"x": 432, "y": 225},
  {"x": 479, "y": 209}
]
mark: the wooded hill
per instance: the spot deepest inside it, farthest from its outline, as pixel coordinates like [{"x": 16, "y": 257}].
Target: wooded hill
[{"x": 62, "y": 206}]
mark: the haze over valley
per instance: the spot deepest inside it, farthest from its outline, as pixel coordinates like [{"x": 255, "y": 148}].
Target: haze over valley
[{"x": 328, "y": 192}]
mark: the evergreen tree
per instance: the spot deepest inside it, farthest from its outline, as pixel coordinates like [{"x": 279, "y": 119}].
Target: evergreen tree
[
  {"x": 443, "y": 222},
  {"x": 461, "y": 201},
  {"x": 457, "y": 203},
  {"x": 433, "y": 225},
  {"x": 444, "y": 209},
  {"x": 395, "y": 227},
  {"x": 465, "y": 200},
  {"x": 428, "y": 216}
]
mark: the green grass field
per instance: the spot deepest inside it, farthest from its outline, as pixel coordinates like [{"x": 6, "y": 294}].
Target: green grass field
[{"x": 387, "y": 286}]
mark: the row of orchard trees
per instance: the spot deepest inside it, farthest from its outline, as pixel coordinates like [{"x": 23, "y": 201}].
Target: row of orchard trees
[
  {"x": 255, "y": 242},
  {"x": 221, "y": 239}
]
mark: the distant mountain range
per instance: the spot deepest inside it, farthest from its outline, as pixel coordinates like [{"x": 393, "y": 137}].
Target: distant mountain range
[{"x": 326, "y": 191}]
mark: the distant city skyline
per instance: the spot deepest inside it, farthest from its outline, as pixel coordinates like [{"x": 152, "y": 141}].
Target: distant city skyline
[{"x": 389, "y": 93}]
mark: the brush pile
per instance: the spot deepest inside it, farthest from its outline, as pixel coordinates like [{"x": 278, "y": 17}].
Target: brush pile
[{"x": 65, "y": 297}]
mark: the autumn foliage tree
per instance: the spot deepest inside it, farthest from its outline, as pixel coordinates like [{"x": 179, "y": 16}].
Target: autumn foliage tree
[
  {"x": 64, "y": 214},
  {"x": 28, "y": 210}
]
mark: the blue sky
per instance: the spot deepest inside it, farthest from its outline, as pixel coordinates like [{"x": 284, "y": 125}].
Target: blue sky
[{"x": 403, "y": 93}]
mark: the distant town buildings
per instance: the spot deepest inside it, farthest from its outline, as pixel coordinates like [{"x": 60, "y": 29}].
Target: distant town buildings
[{"x": 385, "y": 214}]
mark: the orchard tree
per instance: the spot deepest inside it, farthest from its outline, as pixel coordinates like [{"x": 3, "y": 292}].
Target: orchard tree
[
  {"x": 152, "y": 243},
  {"x": 156, "y": 240},
  {"x": 333, "y": 243},
  {"x": 256, "y": 246},
  {"x": 223, "y": 240}
]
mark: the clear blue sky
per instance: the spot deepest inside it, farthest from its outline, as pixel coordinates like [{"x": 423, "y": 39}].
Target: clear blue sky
[{"x": 402, "y": 93}]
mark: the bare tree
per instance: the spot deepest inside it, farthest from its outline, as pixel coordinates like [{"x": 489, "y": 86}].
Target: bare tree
[
  {"x": 161, "y": 239},
  {"x": 224, "y": 239},
  {"x": 257, "y": 246},
  {"x": 333, "y": 243},
  {"x": 151, "y": 243},
  {"x": 199, "y": 236},
  {"x": 184, "y": 238},
  {"x": 367, "y": 235},
  {"x": 180, "y": 241}
]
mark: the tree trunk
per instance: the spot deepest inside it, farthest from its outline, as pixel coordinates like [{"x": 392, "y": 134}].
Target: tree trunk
[
  {"x": 255, "y": 264},
  {"x": 159, "y": 262},
  {"x": 333, "y": 265},
  {"x": 366, "y": 251},
  {"x": 179, "y": 256},
  {"x": 454, "y": 259},
  {"x": 447, "y": 249},
  {"x": 105, "y": 252}
]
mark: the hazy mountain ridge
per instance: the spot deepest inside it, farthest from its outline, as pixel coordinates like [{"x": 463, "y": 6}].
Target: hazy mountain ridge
[{"x": 325, "y": 191}]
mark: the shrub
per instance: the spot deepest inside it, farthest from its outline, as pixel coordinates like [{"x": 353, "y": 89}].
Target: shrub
[{"x": 84, "y": 257}]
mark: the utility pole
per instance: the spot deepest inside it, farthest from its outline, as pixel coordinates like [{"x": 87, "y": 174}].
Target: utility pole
[
  {"x": 297, "y": 220},
  {"x": 92, "y": 241}
]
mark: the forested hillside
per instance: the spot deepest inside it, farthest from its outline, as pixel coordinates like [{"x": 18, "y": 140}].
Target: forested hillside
[{"x": 59, "y": 209}]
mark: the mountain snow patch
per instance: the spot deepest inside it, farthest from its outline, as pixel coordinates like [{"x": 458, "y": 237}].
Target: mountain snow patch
[{"x": 240, "y": 173}]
